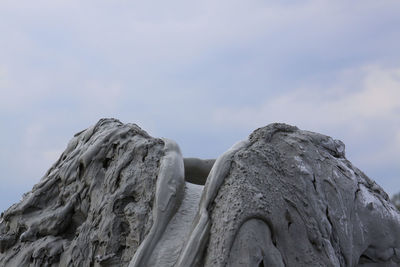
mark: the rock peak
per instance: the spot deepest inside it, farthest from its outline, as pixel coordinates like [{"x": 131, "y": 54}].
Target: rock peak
[{"x": 283, "y": 197}]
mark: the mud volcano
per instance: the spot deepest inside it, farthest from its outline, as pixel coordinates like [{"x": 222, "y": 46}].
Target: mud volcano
[{"x": 283, "y": 197}]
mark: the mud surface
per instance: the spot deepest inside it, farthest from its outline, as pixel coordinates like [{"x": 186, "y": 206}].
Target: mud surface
[
  {"x": 320, "y": 209},
  {"x": 93, "y": 207},
  {"x": 283, "y": 197}
]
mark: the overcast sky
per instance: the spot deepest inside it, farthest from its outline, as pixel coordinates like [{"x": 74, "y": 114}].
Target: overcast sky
[{"x": 204, "y": 73}]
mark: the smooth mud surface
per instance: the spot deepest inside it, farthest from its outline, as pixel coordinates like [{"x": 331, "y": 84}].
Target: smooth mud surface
[{"x": 170, "y": 245}]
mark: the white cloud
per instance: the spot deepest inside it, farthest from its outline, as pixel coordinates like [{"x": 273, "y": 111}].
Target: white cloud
[
  {"x": 97, "y": 95},
  {"x": 353, "y": 113},
  {"x": 377, "y": 97},
  {"x": 381, "y": 96},
  {"x": 4, "y": 81},
  {"x": 50, "y": 43},
  {"x": 64, "y": 64},
  {"x": 33, "y": 135}
]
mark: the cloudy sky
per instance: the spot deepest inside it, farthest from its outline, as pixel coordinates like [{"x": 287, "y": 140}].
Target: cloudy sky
[{"x": 205, "y": 73}]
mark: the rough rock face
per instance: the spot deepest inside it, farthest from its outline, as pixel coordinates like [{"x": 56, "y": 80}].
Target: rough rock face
[
  {"x": 396, "y": 200},
  {"x": 92, "y": 208},
  {"x": 305, "y": 201},
  {"x": 284, "y": 197}
]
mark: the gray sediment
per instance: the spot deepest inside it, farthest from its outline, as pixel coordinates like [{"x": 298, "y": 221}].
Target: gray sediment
[
  {"x": 192, "y": 252},
  {"x": 283, "y": 197},
  {"x": 169, "y": 194},
  {"x": 169, "y": 246}
]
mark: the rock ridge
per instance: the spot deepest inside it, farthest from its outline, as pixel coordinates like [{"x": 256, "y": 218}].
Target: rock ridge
[{"x": 283, "y": 197}]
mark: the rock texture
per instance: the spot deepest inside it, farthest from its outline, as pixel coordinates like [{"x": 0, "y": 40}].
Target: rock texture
[
  {"x": 396, "y": 200},
  {"x": 320, "y": 210},
  {"x": 284, "y": 197},
  {"x": 93, "y": 207}
]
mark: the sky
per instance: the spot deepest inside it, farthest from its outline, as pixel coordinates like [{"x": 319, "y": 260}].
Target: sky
[{"x": 204, "y": 73}]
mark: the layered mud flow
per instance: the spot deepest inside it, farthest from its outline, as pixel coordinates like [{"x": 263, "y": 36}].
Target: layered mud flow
[{"x": 283, "y": 197}]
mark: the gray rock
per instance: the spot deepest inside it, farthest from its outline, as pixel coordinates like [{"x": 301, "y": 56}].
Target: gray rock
[
  {"x": 284, "y": 197},
  {"x": 253, "y": 246},
  {"x": 396, "y": 200},
  {"x": 319, "y": 208},
  {"x": 93, "y": 207}
]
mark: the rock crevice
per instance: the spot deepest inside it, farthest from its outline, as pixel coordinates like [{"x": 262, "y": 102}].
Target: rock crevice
[{"x": 283, "y": 197}]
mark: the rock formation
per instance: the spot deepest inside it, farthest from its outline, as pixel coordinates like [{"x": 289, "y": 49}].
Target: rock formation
[
  {"x": 119, "y": 197},
  {"x": 396, "y": 200}
]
